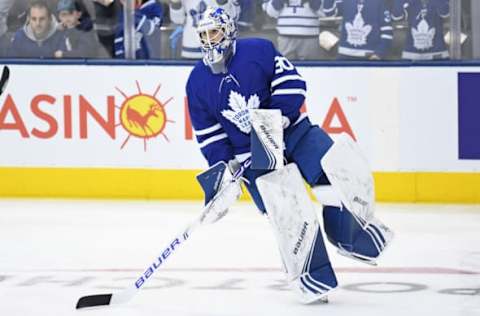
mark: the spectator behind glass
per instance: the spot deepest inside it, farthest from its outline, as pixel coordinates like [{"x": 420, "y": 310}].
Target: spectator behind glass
[
  {"x": 298, "y": 27},
  {"x": 425, "y": 28},
  {"x": 187, "y": 13},
  {"x": 5, "y": 6},
  {"x": 81, "y": 39},
  {"x": 148, "y": 18},
  {"x": 17, "y": 15},
  {"x": 367, "y": 31},
  {"x": 247, "y": 16},
  {"x": 106, "y": 22},
  {"x": 39, "y": 37}
]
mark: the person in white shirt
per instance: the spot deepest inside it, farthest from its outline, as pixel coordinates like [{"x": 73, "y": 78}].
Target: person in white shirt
[{"x": 298, "y": 27}]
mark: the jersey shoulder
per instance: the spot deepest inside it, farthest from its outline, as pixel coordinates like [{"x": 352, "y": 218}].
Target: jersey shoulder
[{"x": 258, "y": 51}]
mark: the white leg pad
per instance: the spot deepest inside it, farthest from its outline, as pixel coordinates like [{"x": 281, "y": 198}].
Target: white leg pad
[
  {"x": 327, "y": 195},
  {"x": 295, "y": 224},
  {"x": 349, "y": 173}
]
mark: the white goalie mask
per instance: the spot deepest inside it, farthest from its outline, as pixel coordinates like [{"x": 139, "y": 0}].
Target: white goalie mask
[{"x": 217, "y": 33}]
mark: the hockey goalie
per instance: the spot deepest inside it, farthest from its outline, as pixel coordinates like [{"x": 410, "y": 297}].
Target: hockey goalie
[{"x": 244, "y": 101}]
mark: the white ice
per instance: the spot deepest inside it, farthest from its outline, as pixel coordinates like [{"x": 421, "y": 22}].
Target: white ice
[{"x": 53, "y": 252}]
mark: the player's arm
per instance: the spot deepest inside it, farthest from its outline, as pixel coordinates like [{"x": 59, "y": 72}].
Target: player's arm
[
  {"x": 220, "y": 185},
  {"x": 211, "y": 137},
  {"x": 287, "y": 87},
  {"x": 152, "y": 16}
]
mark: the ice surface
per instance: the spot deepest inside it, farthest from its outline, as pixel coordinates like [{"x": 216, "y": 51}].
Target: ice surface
[{"x": 53, "y": 252}]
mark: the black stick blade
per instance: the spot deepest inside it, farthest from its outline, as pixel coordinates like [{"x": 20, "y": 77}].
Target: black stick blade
[
  {"x": 94, "y": 300},
  {"x": 4, "y": 79}
]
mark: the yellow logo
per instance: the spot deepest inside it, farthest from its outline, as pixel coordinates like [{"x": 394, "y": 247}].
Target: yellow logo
[{"x": 143, "y": 115}]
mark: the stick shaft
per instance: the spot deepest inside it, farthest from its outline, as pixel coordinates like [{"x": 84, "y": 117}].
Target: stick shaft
[
  {"x": 181, "y": 237},
  {"x": 127, "y": 294}
]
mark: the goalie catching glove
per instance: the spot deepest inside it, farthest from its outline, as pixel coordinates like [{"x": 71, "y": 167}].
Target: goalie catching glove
[{"x": 221, "y": 184}]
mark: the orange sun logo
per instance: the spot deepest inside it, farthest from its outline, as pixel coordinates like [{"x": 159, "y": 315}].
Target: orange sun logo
[{"x": 143, "y": 115}]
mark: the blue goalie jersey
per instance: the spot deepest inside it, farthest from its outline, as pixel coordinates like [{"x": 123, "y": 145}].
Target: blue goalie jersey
[
  {"x": 258, "y": 77},
  {"x": 425, "y": 33}
]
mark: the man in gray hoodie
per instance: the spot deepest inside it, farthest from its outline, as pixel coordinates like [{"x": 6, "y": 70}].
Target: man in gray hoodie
[{"x": 39, "y": 38}]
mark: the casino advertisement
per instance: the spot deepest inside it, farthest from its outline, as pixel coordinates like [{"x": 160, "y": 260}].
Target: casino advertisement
[{"x": 137, "y": 116}]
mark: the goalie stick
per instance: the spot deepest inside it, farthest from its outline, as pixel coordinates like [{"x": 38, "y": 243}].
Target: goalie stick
[
  {"x": 4, "y": 79},
  {"x": 128, "y": 293}
]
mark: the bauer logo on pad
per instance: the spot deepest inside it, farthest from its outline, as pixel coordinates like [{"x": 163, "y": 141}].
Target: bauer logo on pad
[
  {"x": 266, "y": 139},
  {"x": 468, "y": 115}
]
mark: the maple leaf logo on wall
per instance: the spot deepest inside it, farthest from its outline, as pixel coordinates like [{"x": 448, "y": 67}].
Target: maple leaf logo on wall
[{"x": 239, "y": 113}]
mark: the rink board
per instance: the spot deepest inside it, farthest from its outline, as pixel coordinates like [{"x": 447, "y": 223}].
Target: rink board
[
  {"x": 180, "y": 184},
  {"x": 91, "y": 134}
]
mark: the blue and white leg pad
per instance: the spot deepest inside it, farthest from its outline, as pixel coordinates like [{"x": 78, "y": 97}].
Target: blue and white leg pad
[
  {"x": 317, "y": 278},
  {"x": 349, "y": 203},
  {"x": 266, "y": 139},
  {"x": 295, "y": 224},
  {"x": 364, "y": 241},
  {"x": 350, "y": 176}
]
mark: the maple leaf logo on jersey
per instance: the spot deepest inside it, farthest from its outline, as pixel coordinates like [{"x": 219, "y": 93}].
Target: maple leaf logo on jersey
[
  {"x": 239, "y": 113},
  {"x": 423, "y": 35},
  {"x": 357, "y": 32}
]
